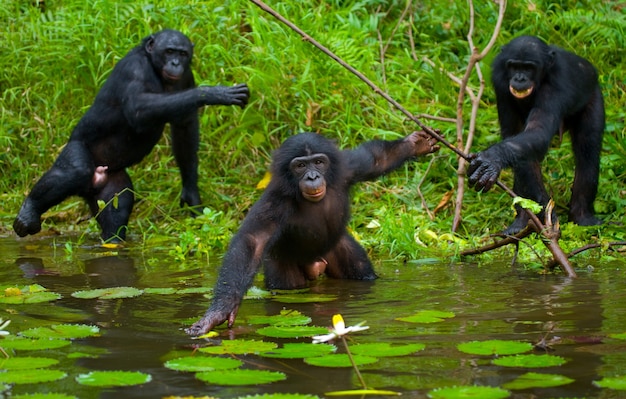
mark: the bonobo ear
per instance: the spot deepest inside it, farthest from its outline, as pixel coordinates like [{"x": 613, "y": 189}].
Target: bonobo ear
[
  {"x": 550, "y": 58},
  {"x": 150, "y": 44}
]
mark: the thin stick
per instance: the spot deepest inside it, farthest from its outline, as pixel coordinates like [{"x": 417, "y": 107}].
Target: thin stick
[{"x": 551, "y": 241}]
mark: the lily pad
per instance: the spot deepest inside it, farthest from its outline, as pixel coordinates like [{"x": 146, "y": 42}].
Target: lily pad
[
  {"x": 240, "y": 377},
  {"x": 113, "y": 378},
  {"x": 618, "y": 383},
  {"x": 195, "y": 290},
  {"x": 384, "y": 349},
  {"x": 19, "y": 343},
  {"x": 362, "y": 392},
  {"x": 339, "y": 360},
  {"x": 33, "y": 293},
  {"x": 202, "y": 363},
  {"x": 468, "y": 392},
  {"x": 239, "y": 347},
  {"x": 108, "y": 293},
  {"x": 26, "y": 363},
  {"x": 62, "y": 331},
  {"x": 285, "y": 318},
  {"x": 281, "y": 396},
  {"x": 427, "y": 316},
  {"x": 529, "y": 361},
  {"x": 300, "y": 350},
  {"x": 29, "y": 377},
  {"x": 494, "y": 347},
  {"x": 304, "y": 298},
  {"x": 618, "y": 336},
  {"x": 291, "y": 331},
  {"x": 537, "y": 380},
  {"x": 44, "y": 396},
  {"x": 159, "y": 291}
]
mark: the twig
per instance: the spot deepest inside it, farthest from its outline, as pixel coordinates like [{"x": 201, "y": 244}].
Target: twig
[{"x": 551, "y": 241}]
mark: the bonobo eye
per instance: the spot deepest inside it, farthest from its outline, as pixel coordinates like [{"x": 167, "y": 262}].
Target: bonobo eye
[{"x": 169, "y": 51}]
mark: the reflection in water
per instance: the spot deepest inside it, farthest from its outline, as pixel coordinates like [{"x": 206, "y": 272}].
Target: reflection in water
[{"x": 574, "y": 316}]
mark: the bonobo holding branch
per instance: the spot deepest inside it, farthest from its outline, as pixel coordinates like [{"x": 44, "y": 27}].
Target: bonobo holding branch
[
  {"x": 542, "y": 90},
  {"x": 151, "y": 86},
  {"x": 297, "y": 229}
]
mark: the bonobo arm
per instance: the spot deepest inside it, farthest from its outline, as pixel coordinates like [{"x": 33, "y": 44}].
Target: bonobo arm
[
  {"x": 377, "y": 157},
  {"x": 145, "y": 108},
  {"x": 241, "y": 263}
]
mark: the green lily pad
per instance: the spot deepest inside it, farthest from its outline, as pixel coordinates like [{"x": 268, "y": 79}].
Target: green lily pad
[
  {"x": 195, "y": 290},
  {"x": 537, "y": 380},
  {"x": 494, "y": 347},
  {"x": 362, "y": 392},
  {"x": 62, "y": 331},
  {"x": 281, "y": 396},
  {"x": 26, "y": 363},
  {"x": 29, "y": 377},
  {"x": 384, "y": 349},
  {"x": 304, "y": 298},
  {"x": 159, "y": 291},
  {"x": 19, "y": 343},
  {"x": 468, "y": 392},
  {"x": 291, "y": 331},
  {"x": 618, "y": 336},
  {"x": 33, "y": 293},
  {"x": 300, "y": 350},
  {"x": 427, "y": 316},
  {"x": 257, "y": 293},
  {"x": 113, "y": 378},
  {"x": 285, "y": 318},
  {"x": 202, "y": 363},
  {"x": 240, "y": 377},
  {"x": 108, "y": 293},
  {"x": 239, "y": 347},
  {"x": 618, "y": 383},
  {"x": 339, "y": 360},
  {"x": 529, "y": 361},
  {"x": 44, "y": 396}
]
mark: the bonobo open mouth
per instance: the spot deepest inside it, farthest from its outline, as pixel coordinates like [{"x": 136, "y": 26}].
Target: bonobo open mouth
[{"x": 520, "y": 93}]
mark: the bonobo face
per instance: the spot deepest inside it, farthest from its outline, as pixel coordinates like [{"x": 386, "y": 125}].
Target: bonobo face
[
  {"x": 171, "y": 53},
  {"x": 522, "y": 77},
  {"x": 309, "y": 171}
]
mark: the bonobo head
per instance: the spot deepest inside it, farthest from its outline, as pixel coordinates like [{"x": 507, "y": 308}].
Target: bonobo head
[
  {"x": 305, "y": 166},
  {"x": 525, "y": 60},
  {"x": 170, "y": 52}
]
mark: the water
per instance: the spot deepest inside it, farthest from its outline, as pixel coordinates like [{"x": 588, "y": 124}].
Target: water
[{"x": 493, "y": 301}]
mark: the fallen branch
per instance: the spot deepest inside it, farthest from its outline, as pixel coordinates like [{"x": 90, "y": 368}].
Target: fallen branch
[{"x": 551, "y": 240}]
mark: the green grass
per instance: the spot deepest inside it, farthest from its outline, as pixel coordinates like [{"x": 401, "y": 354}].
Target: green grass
[{"x": 53, "y": 62}]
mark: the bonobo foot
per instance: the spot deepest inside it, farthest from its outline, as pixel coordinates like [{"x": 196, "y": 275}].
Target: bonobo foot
[
  {"x": 585, "y": 220},
  {"x": 28, "y": 221}
]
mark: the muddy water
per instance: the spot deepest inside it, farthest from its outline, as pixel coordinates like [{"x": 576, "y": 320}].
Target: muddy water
[{"x": 490, "y": 301}]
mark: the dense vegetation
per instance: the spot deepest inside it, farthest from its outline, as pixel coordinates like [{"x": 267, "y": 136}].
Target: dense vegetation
[{"x": 56, "y": 54}]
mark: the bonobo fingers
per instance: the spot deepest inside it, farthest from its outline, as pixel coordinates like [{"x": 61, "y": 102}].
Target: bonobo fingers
[
  {"x": 211, "y": 319},
  {"x": 226, "y": 95},
  {"x": 424, "y": 143},
  {"x": 482, "y": 173}
]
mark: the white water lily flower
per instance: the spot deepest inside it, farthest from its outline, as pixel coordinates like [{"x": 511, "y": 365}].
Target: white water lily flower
[
  {"x": 4, "y": 325},
  {"x": 339, "y": 330}
]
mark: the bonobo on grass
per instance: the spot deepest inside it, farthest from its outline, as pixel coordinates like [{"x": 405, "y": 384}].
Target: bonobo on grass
[
  {"x": 297, "y": 229},
  {"x": 543, "y": 90},
  {"x": 151, "y": 86}
]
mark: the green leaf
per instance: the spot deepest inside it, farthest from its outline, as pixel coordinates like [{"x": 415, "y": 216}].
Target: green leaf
[
  {"x": 285, "y": 318},
  {"x": 468, "y": 392},
  {"x": 202, "y": 363},
  {"x": 19, "y": 343},
  {"x": 527, "y": 204},
  {"x": 360, "y": 392},
  {"x": 304, "y": 298},
  {"x": 530, "y": 361},
  {"x": 62, "y": 331},
  {"x": 34, "y": 293},
  {"x": 30, "y": 377},
  {"x": 240, "y": 377},
  {"x": 537, "y": 380},
  {"x": 291, "y": 331},
  {"x": 300, "y": 350},
  {"x": 339, "y": 360},
  {"x": 44, "y": 396},
  {"x": 239, "y": 347},
  {"x": 618, "y": 383},
  {"x": 384, "y": 349},
  {"x": 26, "y": 363},
  {"x": 427, "y": 316},
  {"x": 108, "y": 293},
  {"x": 159, "y": 291},
  {"x": 280, "y": 396},
  {"x": 494, "y": 347},
  {"x": 113, "y": 378},
  {"x": 618, "y": 336}
]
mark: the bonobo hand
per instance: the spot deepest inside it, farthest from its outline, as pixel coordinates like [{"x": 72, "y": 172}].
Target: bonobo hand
[
  {"x": 212, "y": 318},
  {"x": 483, "y": 171},
  {"x": 424, "y": 143},
  {"x": 226, "y": 95}
]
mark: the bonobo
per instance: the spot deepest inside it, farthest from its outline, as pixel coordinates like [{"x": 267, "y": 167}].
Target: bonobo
[
  {"x": 297, "y": 229},
  {"x": 151, "y": 86},
  {"x": 541, "y": 90}
]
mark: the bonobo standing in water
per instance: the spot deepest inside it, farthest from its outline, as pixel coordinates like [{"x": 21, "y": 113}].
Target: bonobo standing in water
[
  {"x": 543, "y": 90},
  {"x": 151, "y": 86},
  {"x": 297, "y": 229}
]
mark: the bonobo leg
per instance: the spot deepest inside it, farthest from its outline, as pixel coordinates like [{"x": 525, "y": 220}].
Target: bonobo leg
[
  {"x": 113, "y": 218},
  {"x": 586, "y": 133},
  {"x": 528, "y": 184},
  {"x": 284, "y": 275},
  {"x": 348, "y": 260},
  {"x": 71, "y": 174}
]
